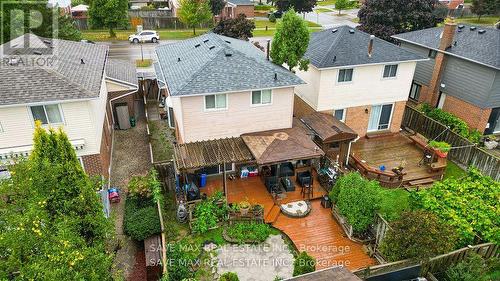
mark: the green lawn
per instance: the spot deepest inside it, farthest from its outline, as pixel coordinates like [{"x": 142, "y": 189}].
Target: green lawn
[
  {"x": 485, "y": 20},
  {"x": 263, "y": 23},
  {"x": 453, "y": 171},
  {"x": 323, "y": 10},
  {"x": 326, "y": 2},
  {"x": 394, "y": 201}
]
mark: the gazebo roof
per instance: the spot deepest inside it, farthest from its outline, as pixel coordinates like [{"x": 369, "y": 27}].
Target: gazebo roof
[
  {"x": 200, "y": 154},
  {"x": 282, "y": 145},
  {"x": 328, "y": 128}
]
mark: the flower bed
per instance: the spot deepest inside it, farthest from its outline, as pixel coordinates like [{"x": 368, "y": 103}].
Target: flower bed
[{"x": 247, "y": 233}]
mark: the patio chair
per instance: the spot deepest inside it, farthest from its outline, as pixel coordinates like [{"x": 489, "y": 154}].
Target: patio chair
[{"x": 304, "y": 178}]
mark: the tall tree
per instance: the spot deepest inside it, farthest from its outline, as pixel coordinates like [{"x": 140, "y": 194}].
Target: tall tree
[
  {"x": 194, "y": 13},
  {"x": 290, "y": 42},
  {"x": 342, "y": 5},
  {"x": 300, "y": 6},
  {"x": 239, "y": 27},
  {"x": 216, "y": 6},
  {"x": 384, "y": 18},
  {"x": 110, "y": 14},
  {"x": 484, "y": 7},
  {"x": 53, "y": 227}
]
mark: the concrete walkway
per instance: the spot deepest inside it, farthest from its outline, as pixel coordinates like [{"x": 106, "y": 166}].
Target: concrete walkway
[{"x": 261, "y": 262}]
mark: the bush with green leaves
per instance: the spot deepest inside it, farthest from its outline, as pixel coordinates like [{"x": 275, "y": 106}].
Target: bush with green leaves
[
  {"x": 243, "y": 232},
  {"x": 440, "y": 145},
  {"x": 303, "y": 264},
  {"x": 145, "y": 186},
  {"x": 474, "y": 268},
  {"x": 209, "y": 212},
  {"x": 229, "y": 276},
  {"x": 469, "y": 204},
  {"x": 357, "y": 200},
  {"x": 417, "y": 235},
  {"x": 456, "y": 124},
  {"x": 141, "y": 218},
  {"x": 180, "y": 261}
]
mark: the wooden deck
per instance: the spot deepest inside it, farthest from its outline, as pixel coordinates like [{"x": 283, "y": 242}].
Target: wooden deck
[
  {"x": 390, "y": 151},
  {"x": 253, "y": 190},
  {"x": 318, "y": 234}
]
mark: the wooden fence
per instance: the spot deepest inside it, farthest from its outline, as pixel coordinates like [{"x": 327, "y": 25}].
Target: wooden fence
[
  {"x": 467, "y": 155},
  {"x": 166, "y": 174},
  {"x": 434, "y": 265}
]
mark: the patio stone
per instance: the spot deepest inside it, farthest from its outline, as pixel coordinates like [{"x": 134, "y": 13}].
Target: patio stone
[{"x": 261, "y": 262}]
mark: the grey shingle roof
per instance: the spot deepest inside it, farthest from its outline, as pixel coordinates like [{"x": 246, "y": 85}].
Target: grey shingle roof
[
  {"x": 481, "y": 48},
  {"x": 65, "y": 78},
  {"x": 122, "y": 70},
  {"x": 213, "y": 63},
  {"x": 241, "y": 2},
  {"x": 337, "y": 47}
]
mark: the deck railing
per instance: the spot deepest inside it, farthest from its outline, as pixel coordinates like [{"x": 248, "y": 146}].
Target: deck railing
[
  {"x": 467, "y": 155},
  {"x": 386, "y": 178}
]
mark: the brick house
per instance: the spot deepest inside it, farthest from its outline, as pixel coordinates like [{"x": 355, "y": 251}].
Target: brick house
[
  {"x": 69, "y": 92},
  {"x": 462, "y": 75},
  {"x": 361, "y": 80},
  {"x": 236, "y": 7}
]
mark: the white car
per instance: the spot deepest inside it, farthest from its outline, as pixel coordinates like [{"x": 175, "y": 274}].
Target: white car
[{"x": 144, "y": 36}]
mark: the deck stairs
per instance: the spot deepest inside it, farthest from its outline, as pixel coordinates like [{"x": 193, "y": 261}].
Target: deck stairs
[{"x": 273, "y": 214}]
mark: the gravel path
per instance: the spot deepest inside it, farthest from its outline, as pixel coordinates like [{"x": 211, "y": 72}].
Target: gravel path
[{"x": 130, "y": 157}]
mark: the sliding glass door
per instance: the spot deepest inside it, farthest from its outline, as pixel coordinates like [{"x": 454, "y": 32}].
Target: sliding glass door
[{"x": 380, "y": 117}]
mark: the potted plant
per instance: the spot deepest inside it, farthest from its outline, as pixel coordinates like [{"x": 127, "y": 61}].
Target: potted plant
[
  {"x": 441, "y": 148},
  {"x": 244, "y": 207}
]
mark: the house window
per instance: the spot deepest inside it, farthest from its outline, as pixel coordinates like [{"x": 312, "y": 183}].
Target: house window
[
  {"x": 214, "y": 102},
  {"x": 339, "y": 114},
  {"x": 261, "y": 97},
  {"x": 415, "y": 91},
  {"x": 390, "y": 70},
  {"x": 432, "y": 54},
  {"x": 171, "y": 121},
  {"x": 345, "y": 75},
  {"x": 47, "y": 114}
]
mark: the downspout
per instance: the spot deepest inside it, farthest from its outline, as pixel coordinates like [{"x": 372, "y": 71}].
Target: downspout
[{"x": 349, "y": 151}]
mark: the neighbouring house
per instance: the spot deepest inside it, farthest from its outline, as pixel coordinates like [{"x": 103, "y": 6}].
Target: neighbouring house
[
  {"x": 80, "y": 16},
  {"x": 66, "y": 87},
  {"x": 221, "y": 87},
  {"x": 452, "y": 4},
  {"x": 462, "y": 74},
  {"x": 357, "y": 78},
  {"x": 235, "y": 7}
]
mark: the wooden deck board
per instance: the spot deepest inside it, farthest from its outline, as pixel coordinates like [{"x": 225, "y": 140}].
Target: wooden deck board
[
  {"x": 321, "y": 237},
  {"x": 390, "y": 151}
]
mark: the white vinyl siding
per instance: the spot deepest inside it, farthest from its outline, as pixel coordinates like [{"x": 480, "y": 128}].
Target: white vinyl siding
[{"x": 261, "y": 97}]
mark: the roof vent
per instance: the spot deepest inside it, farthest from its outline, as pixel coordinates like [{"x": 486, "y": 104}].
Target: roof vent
[
  {"x": 472, "y": 28},
  {"x": 459, "y": 30},
  {"x": 48, "y": 42},
  {"x": 37, "y": 53},
  {"x": 205, "y": 41},
  {"x": 481, "y": 31},
  {"x": 197, "y": 45},
  {"x": 81, "y": 61},
  {"x": 334, "y": 30},
  {"x": 351, "y": 31},
  {"x": 178, "y": 59},
  {"x": 229, "y": 42},
  {"x": 334, "y": 58},
  {"x": 275, "y": 76},
  {"x": 455, "y": 43},
  {"x": 461, "y": 26},
  {"x": 228, "y": 53},
  {"x": 211, "y": 47}
]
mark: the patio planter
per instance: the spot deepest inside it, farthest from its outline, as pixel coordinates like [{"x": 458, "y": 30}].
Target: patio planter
[
  {"x": 440, "y": 153},
  {"x": 348, "y": 228}
]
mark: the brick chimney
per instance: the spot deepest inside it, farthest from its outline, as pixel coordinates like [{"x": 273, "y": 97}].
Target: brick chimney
[{"x": 448, "y": 34}]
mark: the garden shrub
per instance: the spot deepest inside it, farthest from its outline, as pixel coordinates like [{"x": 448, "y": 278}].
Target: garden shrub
[
  {"x": 303, "y": 264},
  {"x": 180, "y": 261},
  {"x": 272, "y": 18},
  {"x": 357, "y": 200},
  {"x": 208, "y": 213},
  {"x": 242, "y": 232},
  {"x": 469, "y": 204},
  {"x": 474, "y": 268},
  {"x": 229, "y": 276},
  {"x": 145, "y": 186},
  {"x": 141, "y": 218},
  {"x": 456, "y": 124},
  {"x": 417, "y": 235}
]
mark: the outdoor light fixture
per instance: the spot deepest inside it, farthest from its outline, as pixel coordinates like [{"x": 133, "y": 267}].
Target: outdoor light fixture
[{"x": 366, "y": 110}]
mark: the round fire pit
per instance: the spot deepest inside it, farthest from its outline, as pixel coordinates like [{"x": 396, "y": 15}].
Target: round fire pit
[{"x": 297, "y": 209}]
